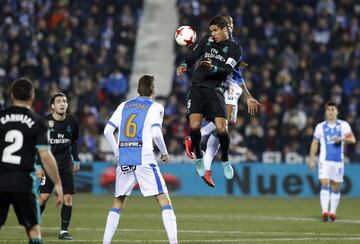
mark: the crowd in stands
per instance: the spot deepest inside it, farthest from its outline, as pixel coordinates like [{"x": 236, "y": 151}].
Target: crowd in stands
[
  {"x": 82, "y": 48},
  {"x": 300, "y": 55}
]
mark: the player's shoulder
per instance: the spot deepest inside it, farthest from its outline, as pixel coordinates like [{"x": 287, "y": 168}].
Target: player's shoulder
[
  {"x": 157, "y": 105},
  {"x": 320, "y": 124},
  {"x": 343, "y": 122},
  {"x": 72, "y": 119}
]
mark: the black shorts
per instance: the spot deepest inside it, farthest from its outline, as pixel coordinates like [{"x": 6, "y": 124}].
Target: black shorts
[
  {"x": 67, "y": 180},
  {"x": 25, "y": 205},
  {"x": 207, "y": 101}
]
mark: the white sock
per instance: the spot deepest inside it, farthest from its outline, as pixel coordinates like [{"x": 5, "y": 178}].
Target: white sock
[
  {"x": 111, "y": 225},
  {"x": 169, "y": 221},
  {"x": 334, "y": 201},
  {"x": 211, "y": 149},
  {"x": 325, "y": 198},
  {"x": 207, "y": 129}
]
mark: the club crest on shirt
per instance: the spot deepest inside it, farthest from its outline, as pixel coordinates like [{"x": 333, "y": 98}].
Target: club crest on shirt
[
  {"x": 51, "y": 123},
  {"x": 225, "y": 49}
]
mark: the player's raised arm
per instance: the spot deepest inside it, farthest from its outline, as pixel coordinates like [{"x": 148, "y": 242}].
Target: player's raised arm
[{"x": 193, "y": 57}]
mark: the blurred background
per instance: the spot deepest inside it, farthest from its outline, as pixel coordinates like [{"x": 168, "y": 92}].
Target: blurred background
[{"x": 300, "y": 54}]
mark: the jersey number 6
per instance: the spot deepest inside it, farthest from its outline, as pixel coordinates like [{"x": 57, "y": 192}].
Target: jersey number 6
[{"x": 131, "y": 126}]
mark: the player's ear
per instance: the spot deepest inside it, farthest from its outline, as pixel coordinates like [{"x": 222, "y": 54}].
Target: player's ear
[{"x": 52, "y": 106}]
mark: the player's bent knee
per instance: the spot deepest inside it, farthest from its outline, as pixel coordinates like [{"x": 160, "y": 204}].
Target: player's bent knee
[
  {"x": 68, "y": 199},
  {"x": 163, "y": 199},
  {"x": 43, "y": 198}
]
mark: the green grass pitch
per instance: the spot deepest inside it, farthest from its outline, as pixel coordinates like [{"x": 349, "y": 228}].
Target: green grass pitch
[{"x": 201, "y": 220}]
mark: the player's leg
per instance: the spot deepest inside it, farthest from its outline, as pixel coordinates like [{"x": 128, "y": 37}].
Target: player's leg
[
  {"x": 27, "y": 211},
  {"x": 212, "y": 147},
  {"x": 224, "y": 140},
  {"x": 112, "y": 220},
  {"x": 335, "y": 196},
  {"x": 324, "y": 176},
  {"x": 196, "y": 106},
  {"x": 45, "y": 192},
  {"x": 124, "y": 183},
  {"x": 168, "y": 217},
  {"x": 67, "y": 179},
  {"x": 337, "y": 176},
  {"x": 4, "y": 207},
  {"x": 152, "y": 183}
]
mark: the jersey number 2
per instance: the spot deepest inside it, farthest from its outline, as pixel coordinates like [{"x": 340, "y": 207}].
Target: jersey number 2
[
  {"x": 130, "y": 127},
  {"x": 16, "y": 139}
]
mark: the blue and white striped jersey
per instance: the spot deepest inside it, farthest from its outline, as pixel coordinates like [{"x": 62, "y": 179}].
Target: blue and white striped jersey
[
  {"x": 135, "y": 118},
  {"x": 325, "y": 133}
]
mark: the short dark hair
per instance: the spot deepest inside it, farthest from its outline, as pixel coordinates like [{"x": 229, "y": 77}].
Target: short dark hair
[
  {"x": 146, "y": 85},
  {"x": 219, "y": 21},
  {"x": 58, "y": 94},
  {"x": 22, "y": 89},
  {"x": 330, "y": 104}
]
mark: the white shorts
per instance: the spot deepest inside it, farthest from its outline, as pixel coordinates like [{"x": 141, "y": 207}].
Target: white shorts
[
  {"x": 149, "y": 177},
  {"x": 331, "y": 170},
  {"x": 232, "y": 93}
]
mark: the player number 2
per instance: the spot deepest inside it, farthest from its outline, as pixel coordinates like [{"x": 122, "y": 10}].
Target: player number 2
[
  {"x": 130, "y": 128},
  {"x": 16, "y": 139}
]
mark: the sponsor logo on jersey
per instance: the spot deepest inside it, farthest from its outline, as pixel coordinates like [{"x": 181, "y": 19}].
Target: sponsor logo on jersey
[{"x": 130, "y": 144}]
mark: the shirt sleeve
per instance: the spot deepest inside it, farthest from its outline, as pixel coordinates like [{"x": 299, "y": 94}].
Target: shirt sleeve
[
  {"x": 346, "y": 130},
  {"x": 230, "y": 63},
  {"x": 158, "y": 115},
  {"x": 42, "y": 137},
  {"x": 115, "y": 119},
  {"x": 74, "y": 141},
  {"x": 196, "y": 52},
  {"x": 317, "y": 133}
]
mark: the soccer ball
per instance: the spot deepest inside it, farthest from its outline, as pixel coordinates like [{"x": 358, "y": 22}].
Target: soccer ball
[{"x": 185, "y": 35}]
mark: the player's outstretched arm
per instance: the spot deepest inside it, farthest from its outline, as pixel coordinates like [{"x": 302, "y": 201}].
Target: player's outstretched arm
[
  {"x": 252, "y": 104},
  {"x": 49, "y": 162},
  {"x": 313, "y": 149}
]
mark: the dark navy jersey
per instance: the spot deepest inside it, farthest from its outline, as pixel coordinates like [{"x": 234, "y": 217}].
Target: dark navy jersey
[
  {"x": 64, "y": 136},
  {"x": 224, "y": 56},
  {"x": 21, "y": 133}
]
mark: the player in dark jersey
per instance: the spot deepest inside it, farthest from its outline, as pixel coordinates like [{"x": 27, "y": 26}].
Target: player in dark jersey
[
  {"x": 22, "y": 134},
  {"x": 218, "y": 56},
  {"x": 64, "y": 133}
]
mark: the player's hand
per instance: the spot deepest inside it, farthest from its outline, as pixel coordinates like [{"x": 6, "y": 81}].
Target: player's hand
[
  {"x": 337, "y": 140},
  {"x": 242, "y": 65},
  {"x": 253, "y": 105},
  {"x": 165, "y": 158},
  {"x": 40, "y": 173},
  {"x": 206, "y": 64},
  {"x": 76, "y": 167},
  {"x": 58, "y": 195},
  {"x": 180, "y": 70},
  {"x": 311, "y": 164}
]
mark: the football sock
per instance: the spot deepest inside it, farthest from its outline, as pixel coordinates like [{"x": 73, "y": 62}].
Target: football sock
[
  {"x": 325, "y": 198},
  {"x": 112, "y": 222},
  {"x": 65, "y": 216},
  {"x": 169, "y": 221},
  {"x": 211, "y": 150},
  {"x": 334, "y": 201},
  {"x": 42, "y": 207},
  {"x": 224, "y": 140},
  {"x": 207, "y": 129},
  {"x": 195, "y": 136},
  {"x": 35, "y": 241}
]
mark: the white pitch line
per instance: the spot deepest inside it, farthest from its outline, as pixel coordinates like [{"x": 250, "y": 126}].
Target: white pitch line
[
  {"x": 213, "y": 240},
  {"x": 265, "y": 233}
]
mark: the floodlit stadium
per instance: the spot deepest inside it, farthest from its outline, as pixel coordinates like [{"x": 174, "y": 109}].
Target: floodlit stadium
[{"x": 296, "y": 57}]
